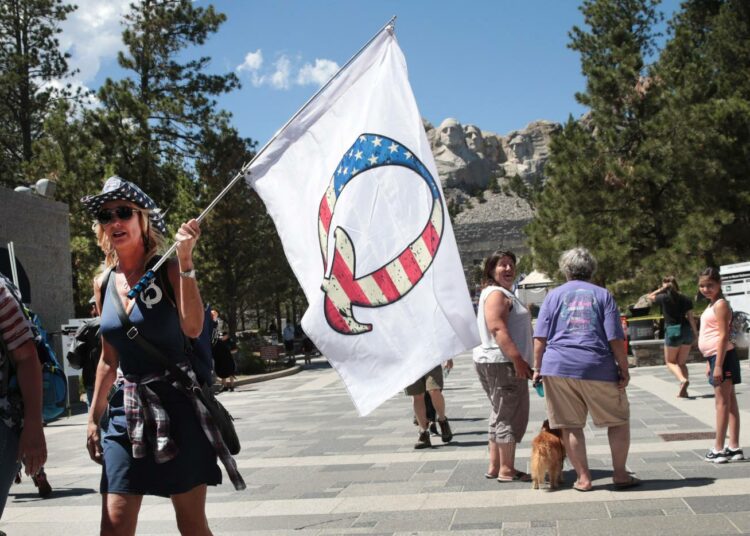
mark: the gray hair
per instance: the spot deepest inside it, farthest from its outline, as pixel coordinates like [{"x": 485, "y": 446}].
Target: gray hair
[{"x": 577, "y": 263}]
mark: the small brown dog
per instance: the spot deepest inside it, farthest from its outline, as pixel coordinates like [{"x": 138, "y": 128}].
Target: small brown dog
[{"x": 547, "y": 455}]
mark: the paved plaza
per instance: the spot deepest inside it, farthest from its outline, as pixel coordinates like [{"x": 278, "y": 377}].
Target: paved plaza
[{"x": 314, "y": 467}]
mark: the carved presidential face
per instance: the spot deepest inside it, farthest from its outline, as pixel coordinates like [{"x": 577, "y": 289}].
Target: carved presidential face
[
  {"x": 492, "y": 149},
  {"x": 518, "y": 147},
  {"x": 474, "y": 139},
  {"x": 451, "y": 133}
]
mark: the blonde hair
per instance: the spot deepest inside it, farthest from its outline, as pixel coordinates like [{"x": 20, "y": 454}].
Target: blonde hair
[{"x": 153, "y": 240}]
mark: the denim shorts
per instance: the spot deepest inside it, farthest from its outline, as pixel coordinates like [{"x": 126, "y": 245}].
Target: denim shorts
[
  {"x": 685, "y": 338},
  {"x": 9, "y": 466}
]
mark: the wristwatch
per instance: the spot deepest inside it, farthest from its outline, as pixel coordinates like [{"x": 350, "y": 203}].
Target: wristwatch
[{"x": 189, "y": 273}]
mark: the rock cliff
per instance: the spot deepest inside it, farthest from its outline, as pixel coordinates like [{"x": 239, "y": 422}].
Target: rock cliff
[{"x": 475, "y": 167}]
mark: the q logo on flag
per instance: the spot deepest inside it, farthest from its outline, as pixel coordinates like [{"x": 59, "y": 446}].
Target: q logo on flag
[{"x": 396, "y": 277}]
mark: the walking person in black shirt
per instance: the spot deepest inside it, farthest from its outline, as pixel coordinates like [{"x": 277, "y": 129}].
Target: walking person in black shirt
[{"x": 679, "y": 329}]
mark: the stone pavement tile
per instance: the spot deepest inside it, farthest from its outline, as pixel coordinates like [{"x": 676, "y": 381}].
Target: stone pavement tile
[
  {"x": 381, "y": 488},
  {"x": 348, "y": 467},
  {"x": 298, "y": 524},
  {"x": 426, "y": 478},
  {"x": 725, "y": 503},
  {"x": 537, "y": 531},
  {"x": 741, "y": 520},
  {"x": 649, "y": 525},
  {"x": 657, "y": 506},
  {"x": 443, "y": 465},
  {"x": 532, "y": 513},
  {"x": 58, "y": 527},
  {"x": 416, "y": 521},
  {"x": 467, "y": 532}
]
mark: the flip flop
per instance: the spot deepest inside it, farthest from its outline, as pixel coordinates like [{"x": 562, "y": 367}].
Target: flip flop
[
  {"x": 489, "y": 476},
  {"x": 631, "y": 482},
  {"x": 683, "y": 389},
  {"x": 578, "y": 488},
  {"x": 520, "y": 476}
]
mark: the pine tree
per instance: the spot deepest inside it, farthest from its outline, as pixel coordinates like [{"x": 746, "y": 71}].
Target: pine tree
[
  {"x": 153, "y": 119},
  {"x": 602, "y": 192},
  {"x": 30, "y": 61},
  {"x": 703, "y": 131}
]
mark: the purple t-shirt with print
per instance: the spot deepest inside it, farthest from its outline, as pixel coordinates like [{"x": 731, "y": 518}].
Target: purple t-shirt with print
[{"x": 578, "y": 319}]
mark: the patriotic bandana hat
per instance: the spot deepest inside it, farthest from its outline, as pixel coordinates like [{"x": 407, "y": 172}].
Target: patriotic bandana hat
[{"x": 116, "y": 188}]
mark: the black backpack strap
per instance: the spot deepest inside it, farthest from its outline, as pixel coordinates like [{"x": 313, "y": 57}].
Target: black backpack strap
[{"x": 133, "y": 334}]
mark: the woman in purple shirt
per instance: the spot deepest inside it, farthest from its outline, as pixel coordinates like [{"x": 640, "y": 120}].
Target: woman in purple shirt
[{"x": 579, "y": 351}]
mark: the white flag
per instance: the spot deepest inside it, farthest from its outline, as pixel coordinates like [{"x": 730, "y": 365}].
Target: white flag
[{"x": 352, "y": 187}]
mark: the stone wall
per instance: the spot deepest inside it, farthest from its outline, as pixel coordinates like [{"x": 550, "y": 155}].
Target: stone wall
[
  {"x": 485, "y": 227},
  {"x": 478, "y": 240},
  {"x": 38, "y": 228}
]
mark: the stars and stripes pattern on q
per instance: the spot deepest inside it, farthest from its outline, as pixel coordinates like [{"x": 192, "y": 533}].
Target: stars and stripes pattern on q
[
  {"x": 397, "y": 277},
  {"x": 351, "y": 185}
]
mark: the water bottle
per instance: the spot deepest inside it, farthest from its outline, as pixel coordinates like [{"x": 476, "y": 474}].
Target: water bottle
[{"x": 539, "y": 386}]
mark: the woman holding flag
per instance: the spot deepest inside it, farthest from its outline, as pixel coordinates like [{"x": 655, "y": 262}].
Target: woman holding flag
[{"x": 152, "y": 437}]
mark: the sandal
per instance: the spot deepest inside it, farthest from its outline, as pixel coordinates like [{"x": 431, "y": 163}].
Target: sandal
[
  {"x": 683, "y": 389},
  {"x": 520, "y": 476},
  {"x": 631, "y": 482},
  {"x": 581, "y": 488},
  {"x": 489, "y": 476}
]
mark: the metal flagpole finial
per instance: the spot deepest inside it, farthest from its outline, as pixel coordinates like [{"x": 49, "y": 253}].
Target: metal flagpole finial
[{"x": 391, "y": 26}]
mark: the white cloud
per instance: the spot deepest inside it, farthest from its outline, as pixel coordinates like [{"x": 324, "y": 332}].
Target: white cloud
[
  {"x": 284, "y": 71},
  {"x": 92, "y": 34},
  {"x": 280, "y": 77},
  {"x": 317, "y": 74},
  {"x": 253, "y": 62}
]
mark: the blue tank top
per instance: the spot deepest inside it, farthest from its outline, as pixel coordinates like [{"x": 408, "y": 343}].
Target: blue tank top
[{"x": 157, "y": 321}]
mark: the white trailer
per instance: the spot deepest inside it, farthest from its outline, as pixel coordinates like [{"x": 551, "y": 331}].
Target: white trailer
[{"x": 735, "y": 284}]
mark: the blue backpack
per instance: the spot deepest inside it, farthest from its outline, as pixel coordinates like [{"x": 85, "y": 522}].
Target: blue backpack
[{"x": 54, "y": 382}]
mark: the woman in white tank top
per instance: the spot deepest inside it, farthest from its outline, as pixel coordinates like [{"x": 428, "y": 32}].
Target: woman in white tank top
[{"x": 503, "y": 364}]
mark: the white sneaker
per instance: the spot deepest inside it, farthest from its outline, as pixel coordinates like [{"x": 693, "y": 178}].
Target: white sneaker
[
  {"x": 716, "y": 457},
  {"x": 733, "y": 455}
]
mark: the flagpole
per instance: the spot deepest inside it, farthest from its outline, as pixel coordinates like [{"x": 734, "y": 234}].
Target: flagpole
[{"x": 149, "y": 275}]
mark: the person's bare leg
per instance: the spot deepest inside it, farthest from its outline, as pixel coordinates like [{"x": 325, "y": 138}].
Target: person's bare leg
[
  {"x": 119, "y": 514},
  {"x": 438, "y": 401},
  {"x": 494, "y": 467},
  {"x": 670, "y": 358},
  {"x": 420, "y": 411},
  {"x": 575, "y": 449},
  {"x": 723, "y": 404},
  {"x": 734, "y": 421},
  {"x": 190, "y": 509},
  {"x": 619, "y": 446},
  {"x": 682, "y": 357},
  {"x": 507, "y": 453}
]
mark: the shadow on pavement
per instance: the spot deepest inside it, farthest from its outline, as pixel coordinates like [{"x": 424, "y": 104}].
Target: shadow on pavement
[
  {"x": 468, "y": 443},
  {"x": 597, "y": 475},
  {"x": 57, "y": 493},
  {"x": 316, "y": 365}
]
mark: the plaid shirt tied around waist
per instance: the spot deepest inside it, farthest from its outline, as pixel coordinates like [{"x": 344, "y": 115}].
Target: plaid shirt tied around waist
[{"x": 148, "y": 421}]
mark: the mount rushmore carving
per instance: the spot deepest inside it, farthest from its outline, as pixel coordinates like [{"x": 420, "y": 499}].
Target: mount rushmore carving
[{"x": 468, "y": 158}]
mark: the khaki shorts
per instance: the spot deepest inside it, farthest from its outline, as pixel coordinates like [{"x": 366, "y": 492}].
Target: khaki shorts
[
  {"x": 570, "y": 399},
  {"x": 429, "y": 382}
]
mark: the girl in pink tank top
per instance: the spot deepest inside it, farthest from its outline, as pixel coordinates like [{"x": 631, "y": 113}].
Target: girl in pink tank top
[{"x": 722, "y": 367}]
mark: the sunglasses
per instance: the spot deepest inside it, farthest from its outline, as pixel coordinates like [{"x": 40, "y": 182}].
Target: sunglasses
[{"x": 106, "y": 215}]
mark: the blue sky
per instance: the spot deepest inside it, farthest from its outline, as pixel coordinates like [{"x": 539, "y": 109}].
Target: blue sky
[{"x": 496, "y": 64}]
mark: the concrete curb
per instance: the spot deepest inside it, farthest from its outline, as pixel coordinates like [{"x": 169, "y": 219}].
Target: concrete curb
[{"x": 245, "y": 380}]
